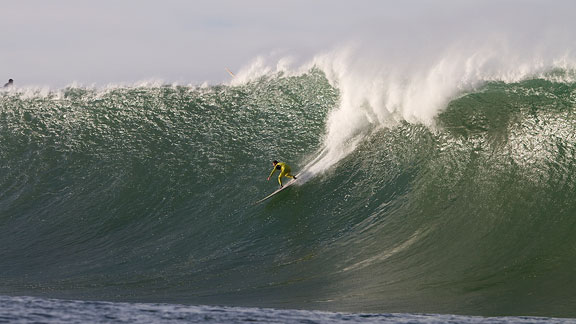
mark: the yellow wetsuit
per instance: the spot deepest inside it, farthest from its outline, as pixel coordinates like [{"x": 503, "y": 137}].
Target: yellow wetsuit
[{"x": 284, "y": 171}]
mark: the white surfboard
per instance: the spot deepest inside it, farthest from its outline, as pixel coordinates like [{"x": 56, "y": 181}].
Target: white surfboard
[{"x": 288, "y": 184}]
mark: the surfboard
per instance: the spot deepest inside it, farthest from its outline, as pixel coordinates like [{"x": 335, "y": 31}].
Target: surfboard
[{"x": 288, "y": 184}]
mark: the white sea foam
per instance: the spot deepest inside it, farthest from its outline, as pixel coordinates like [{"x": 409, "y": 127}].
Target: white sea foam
[{"x": 378, "y": 89}]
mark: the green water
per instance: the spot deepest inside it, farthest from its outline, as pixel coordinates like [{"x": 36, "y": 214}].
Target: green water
[{"x": 146, "y": 194}]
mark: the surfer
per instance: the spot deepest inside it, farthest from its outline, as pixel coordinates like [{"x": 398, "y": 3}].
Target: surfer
[
  {"x": 284, "y": 171},
  {"x": 10, "y": 83}
]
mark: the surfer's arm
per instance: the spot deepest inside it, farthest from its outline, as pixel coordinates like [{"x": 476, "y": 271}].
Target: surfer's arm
[{"x": 271, "y": 173}]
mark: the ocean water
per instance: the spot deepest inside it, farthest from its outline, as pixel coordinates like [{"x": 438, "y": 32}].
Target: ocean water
[
  {"x": 37, "y": 310},
  {"x": 451, "y": 194}
]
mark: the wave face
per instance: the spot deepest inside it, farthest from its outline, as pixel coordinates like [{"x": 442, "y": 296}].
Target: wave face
[{"x": 146, "y": 194}]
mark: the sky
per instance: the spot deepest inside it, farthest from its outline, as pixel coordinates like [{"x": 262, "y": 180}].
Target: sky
[{"x": 62, "y": 42}]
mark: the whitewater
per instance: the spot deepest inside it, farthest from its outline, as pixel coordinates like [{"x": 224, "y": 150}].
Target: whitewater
[{"x": 436, "y": 184}]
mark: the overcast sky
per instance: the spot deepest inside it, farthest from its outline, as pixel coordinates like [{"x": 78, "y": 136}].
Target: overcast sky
[{"x": 60, "y": 42}]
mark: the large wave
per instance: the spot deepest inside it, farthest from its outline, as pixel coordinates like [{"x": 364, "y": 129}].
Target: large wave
[{"x": 444, "y": 187}]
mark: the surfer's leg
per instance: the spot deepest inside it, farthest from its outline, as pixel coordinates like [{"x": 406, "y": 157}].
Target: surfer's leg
[
  {"x": 282, "y": 174},
  {"x": 287, "y": 172}
]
